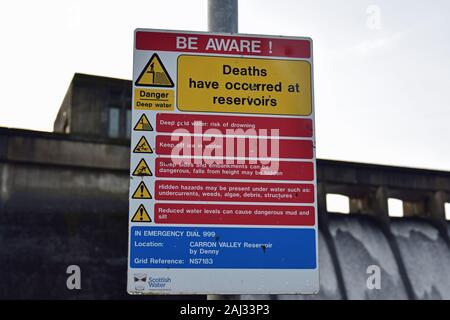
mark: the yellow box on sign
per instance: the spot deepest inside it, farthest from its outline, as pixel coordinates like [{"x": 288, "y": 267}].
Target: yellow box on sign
[
  {"x": 244, "y": 85},
  {"x": 154, "y": 99}
]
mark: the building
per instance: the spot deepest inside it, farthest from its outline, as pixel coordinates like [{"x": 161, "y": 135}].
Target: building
[
  {"x": 96, "y": 107},
  {"x": 64, "y": 201}
]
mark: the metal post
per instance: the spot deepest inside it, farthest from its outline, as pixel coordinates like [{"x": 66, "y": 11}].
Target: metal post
[{"x": 223, "y": 16}]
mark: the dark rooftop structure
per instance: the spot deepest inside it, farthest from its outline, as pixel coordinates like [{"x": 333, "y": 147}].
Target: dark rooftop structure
[{"x": 96, "y": 107}]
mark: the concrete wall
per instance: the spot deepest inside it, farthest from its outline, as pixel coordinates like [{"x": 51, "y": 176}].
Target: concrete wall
[
  {"x": 49, "y": 172},
  {"x": 426, "y": 256},
  {"x": 360, "y": 243},
  {"x": 64, "y": 200}
]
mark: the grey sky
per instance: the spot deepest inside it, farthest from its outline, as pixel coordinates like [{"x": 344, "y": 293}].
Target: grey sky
[{"x": 382, "y": 68}]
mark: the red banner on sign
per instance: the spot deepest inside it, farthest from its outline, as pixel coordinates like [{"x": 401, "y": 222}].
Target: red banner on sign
[
  {"x": 234, "y": 147},
  {"x": 233, "y": 214},
  {"x": 233, "y": 125},
  {"x": 282, "y": 170},
  {"x": 234, "y": 191},
  {"x": 223, "y": 44}
]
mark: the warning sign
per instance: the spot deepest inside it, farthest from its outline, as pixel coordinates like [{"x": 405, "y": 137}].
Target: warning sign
[
  {"x": 142, "y": 146},
  {"x": 239, "y": 85},
  {"x": 154, "y": 99},
  {"x": 142, "y": 169},
  {"x": 141, "y": 215},
  {"x": 223, "y": 180},
  {"x": 143, "y": 124},
  {"x": 154, "y": 74},
  {"x": 142, "y": 192}
]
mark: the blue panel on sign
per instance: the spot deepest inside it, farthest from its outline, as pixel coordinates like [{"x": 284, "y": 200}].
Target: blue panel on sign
[{"x": 222, "y": 248}]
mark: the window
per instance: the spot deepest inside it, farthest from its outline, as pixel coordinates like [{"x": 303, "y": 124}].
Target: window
[
  {"x": 395, "y": 207},
  {"x": 338, "y": 203},
  {"x": 447, "y": 211},
  {"x": 66, "y": 128},
  {"x": 128, "y": 124},
  {"x": 113, "y": 123}
]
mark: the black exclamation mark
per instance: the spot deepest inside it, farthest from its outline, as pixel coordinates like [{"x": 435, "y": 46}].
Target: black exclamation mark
[
  {"x": 141, "y": 212},
  {"x": 142, "y": 191}
]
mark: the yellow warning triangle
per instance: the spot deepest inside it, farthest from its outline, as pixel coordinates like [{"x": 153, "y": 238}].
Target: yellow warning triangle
[
  {"x": 142, "y": 169},
  {"x": 141, "y": 215},
  {"x": 143, "y": 124},
  {"x": 142, "y": 146},
  {"x": 154, "y": 74},
  {"x": 142, "y": 192}
]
